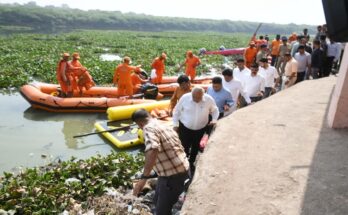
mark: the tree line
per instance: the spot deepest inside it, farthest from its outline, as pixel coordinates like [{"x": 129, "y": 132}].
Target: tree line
[{"x": 55, "y": 19}]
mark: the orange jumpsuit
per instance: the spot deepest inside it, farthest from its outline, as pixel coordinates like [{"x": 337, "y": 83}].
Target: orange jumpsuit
[
  {"x": 122, "y": 77},
  {"x": 137, "y": 82},
  {"x": 249, "y": 55},
  {"x": 275, "y": 47},
  {"x": 191, "y": 64},
  {"x": 81, "y": 75},
  {"x": 63, "y": 77},
  {"x": 158, "y": 65}
]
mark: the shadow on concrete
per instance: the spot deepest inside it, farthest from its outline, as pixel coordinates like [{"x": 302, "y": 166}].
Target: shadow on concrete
[{"x": 326, "y": 191}]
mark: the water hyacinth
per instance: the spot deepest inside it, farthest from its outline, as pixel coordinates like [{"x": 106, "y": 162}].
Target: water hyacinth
[
  {"x": 27, "y": 57},
  {"x": 56, "y": 187}
]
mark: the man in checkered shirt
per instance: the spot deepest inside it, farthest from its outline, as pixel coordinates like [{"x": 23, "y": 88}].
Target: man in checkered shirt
[{"x": 165, "y": 154}]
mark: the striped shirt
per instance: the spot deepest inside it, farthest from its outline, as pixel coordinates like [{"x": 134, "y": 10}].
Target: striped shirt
[{"x": 171, "y": 158}]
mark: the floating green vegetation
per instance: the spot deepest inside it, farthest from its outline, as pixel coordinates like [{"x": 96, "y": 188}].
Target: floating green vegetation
[
  {"x": 27, "y": 57},
  {"x": 53, "y": 188}
]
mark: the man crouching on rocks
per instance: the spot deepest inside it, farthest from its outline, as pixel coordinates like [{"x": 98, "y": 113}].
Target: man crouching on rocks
[{"x": 165, "y": 154}]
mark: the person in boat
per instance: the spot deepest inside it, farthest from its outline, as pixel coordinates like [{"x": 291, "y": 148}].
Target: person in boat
[
  {"x": 221, "y": 96},
  {"x": 83, "y": 79},
  {"x": 184, "y": 87},
  {"x": 63, "y": 76},
  {"x": 122, "y": 77},
  {"x": 138, "y": 80},
  {"x": 191, "y": 118},
  {"x": 191, "y": 62},
  {"x": 159, "y": 66},
  {"x": 165, "y": 155}
]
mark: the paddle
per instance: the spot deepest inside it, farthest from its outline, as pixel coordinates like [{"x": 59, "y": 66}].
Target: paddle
[
  {"x": 109, "y": 130},
  {"x": 254, "y": 35}
]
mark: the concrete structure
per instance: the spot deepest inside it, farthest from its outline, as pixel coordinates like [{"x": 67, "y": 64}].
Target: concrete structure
[
  {"x": 275, "y": 157},
  {"x": 338, "y": 112}
]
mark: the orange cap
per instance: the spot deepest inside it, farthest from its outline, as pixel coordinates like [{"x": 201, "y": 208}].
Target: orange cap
[
  {"x": 65, "y": 54},
  {"x": 189, "y": 53},
  {"x": 76, "y": 55}
]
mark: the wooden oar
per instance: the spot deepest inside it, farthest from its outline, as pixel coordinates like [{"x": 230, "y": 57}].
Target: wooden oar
[{"x": 109, "y": 130}]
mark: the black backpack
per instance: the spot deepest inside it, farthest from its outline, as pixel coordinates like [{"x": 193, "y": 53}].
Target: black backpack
[{"x": 150, "y": 91}]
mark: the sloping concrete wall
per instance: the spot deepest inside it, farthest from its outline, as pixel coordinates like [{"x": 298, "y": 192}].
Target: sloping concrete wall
[
  {"x": 275, "y": 157},
  {"x": 338, "y": 112}
]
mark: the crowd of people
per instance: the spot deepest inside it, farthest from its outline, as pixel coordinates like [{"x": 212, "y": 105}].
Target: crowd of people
[
  {"x": 265, "y": 68},
  {"x": 316, "y": 58}
]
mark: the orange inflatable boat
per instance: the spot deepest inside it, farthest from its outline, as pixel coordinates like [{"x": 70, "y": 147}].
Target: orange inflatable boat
[
  {"x": 97, "y": 99},
  {"x": 168, "y": 89},
  {"x": 198, "y": 80}
]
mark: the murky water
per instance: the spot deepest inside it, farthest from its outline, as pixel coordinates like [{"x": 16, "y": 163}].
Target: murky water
[{"x": 31, "y": 137}]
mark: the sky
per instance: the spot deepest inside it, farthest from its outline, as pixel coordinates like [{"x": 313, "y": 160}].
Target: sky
[{"x": 267, "y": 11}]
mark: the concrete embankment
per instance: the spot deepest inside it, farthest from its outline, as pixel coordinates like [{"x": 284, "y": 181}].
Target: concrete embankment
[{"x": 275, "y": 157}]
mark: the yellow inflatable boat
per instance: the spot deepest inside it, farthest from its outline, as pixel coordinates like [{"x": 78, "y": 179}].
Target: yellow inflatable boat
[
  {"x": 125, "y": 112},
  {"x": 130, "y": 136}
]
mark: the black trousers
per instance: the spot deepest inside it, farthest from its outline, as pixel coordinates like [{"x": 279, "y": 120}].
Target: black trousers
[
  {"x": 168, "y": 190},
  {"x": 256, "y": 98},
  {"x": 300, "y": 77},
  {"x": 190, "y": 140}
]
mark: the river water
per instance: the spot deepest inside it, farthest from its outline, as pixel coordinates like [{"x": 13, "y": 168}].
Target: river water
[{"x": 31, "y": 137}]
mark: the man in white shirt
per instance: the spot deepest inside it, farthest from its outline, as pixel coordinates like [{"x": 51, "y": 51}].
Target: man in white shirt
[
  {"x": 290, "y": 70},
  {"x": 255, "y": 84},
  {"x": 271, "y": 76},
  {"x": 333, "y": 54},
  {"x": 234, "y": 86},
  {"x": 303, "y": 59},
  {"x": 241, "y": 71},
  {"x": 190, "y": 119}
]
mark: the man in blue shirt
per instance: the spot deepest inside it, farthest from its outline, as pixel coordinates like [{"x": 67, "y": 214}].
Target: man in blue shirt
[{"x": 222, "y": 96}]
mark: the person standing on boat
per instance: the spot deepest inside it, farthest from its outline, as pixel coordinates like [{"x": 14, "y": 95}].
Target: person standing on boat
[
  {"x": 82, "y": 77},
  {"x": 190, "y": 120},
  {"x": 63, "y": 76},
  {"x": 159, "y": 66},
  {"x": 191, "y": 62},
  {"x": 184, "y": 87},
  {"x": 122, "y": 77},
  {"x": 165, "y": 155}
]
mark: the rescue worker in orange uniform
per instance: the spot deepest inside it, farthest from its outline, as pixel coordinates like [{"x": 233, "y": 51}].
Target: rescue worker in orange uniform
[
  {"x": 122, "y": 77},
  {"x": 191, "y": 62},
  {"x": 250, "y": 54},
  {"x": 159, "y": 66},
  {"x": 137, "y": 81},
  {"x": 63, "y": 77},
  {"x": 82, "y": 77}
]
